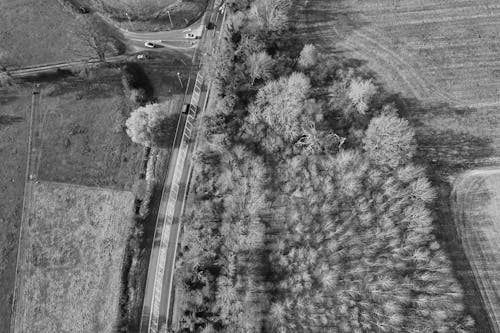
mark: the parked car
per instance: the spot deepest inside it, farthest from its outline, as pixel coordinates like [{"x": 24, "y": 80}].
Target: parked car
[
  {"x": 185, "y": 108},
  {"x": 151, "y": 45},
  {"x": 190, "y": 35},
  {"x": 142, "y": 56},
  {"x": 83, "y": 10}
]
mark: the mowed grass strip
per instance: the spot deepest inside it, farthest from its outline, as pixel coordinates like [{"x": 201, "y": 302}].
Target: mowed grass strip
[
  {"x": 77, "y": 237},
  {"x": 476, "y": 207}
]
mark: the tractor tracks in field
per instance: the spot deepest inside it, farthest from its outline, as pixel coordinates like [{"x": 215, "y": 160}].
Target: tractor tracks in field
[
  {"x": 478, "y": 248},
  {"x": 365, "y": 42}
]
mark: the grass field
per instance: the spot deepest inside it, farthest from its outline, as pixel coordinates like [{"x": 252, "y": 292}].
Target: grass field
[
  {"x": 39, "y": 32},
  {"x": 83, "y": 140},
  {"x": 82, "y": 143},
  {"x": 438, "y": 60},
  {"x": 150, "y": 15},
  {"x": 76, "y": 241},
  {"x": 476, "y": 205},
  {"x": 14, "y": 108}
]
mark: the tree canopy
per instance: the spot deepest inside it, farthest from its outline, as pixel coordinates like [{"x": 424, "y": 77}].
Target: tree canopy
[
  {"x": 389, "y": 141},
  {"x": 308, "y": 56},
  {"x": 151, "y": 125}
]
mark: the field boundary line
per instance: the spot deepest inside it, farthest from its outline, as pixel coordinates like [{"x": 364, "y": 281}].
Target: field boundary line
[{"x": 22, "y": 249}]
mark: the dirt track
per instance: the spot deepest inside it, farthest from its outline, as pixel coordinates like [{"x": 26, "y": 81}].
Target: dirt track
[{"x": 475, "y": 203}]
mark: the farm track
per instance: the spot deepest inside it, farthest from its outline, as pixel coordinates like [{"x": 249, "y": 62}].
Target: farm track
[{"x": 477, "y": 231}]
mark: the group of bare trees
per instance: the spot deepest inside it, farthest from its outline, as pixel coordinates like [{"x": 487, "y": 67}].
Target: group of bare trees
[{"x": 308, "y": 213}]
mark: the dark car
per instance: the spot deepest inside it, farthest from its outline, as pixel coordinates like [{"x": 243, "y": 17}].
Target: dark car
[
  {"x": 83, "y": 10},
  {"x": 210, "y": 25}
]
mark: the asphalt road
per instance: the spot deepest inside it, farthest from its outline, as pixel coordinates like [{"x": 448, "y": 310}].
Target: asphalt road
[
  {"x": 158, "y": 298},
  {"x": 173, "y": 39}
]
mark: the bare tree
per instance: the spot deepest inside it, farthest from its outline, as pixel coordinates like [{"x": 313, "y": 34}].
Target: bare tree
[
  {"x": 97, "y": 35},
  {"x": 308, "y": 56},
  {"x": 151, "y": 125},
  {"x": 389, "y": 141},
  {"x": 361, "y": 92},
  {"x": 270, "y": 15},
  {"x": 280, "y": 104},
  {"x": 260, "y": 65}
]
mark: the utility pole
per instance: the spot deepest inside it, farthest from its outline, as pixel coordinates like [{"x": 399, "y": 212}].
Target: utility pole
[
  {"x": 180, "y": 80},
  {"x": 129, "y": 20},
  {"x": 168, "y": 12}
]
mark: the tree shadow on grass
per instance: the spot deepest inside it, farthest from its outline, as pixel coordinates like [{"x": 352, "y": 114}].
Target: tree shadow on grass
[
  {"x": 9, "y": 120},
  {"x": 6, "y": 98}
]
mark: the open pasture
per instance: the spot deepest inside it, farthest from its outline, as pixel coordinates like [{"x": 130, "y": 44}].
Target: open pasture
[{"x": 75, "y": 245}]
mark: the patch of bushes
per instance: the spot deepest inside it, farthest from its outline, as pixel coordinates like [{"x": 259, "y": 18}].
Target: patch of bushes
[{"x": 133, "y": 278}]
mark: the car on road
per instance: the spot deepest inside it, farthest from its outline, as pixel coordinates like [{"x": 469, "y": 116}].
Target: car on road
[
  {"x": 83, "y": 10},
  {"x": 142, "y": 56},
  {"x": 210, "y": 25},
  {"x": 151, "y": 45},
  {"x": 190, "y": 35}
]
